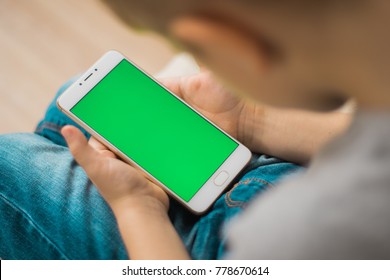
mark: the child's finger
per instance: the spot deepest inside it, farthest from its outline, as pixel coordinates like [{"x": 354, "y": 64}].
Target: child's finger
[
  {"x": 173, "y": 84},
  {"x": 78, "y": 145}
]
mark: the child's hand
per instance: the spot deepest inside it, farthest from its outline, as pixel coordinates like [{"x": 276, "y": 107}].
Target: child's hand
[
  {"x": 202, "y": 91},
  {"x": 120, "y": 184}
]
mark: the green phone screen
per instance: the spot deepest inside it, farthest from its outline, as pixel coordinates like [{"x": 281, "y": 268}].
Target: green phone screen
[{"x": 155, "y": 129}]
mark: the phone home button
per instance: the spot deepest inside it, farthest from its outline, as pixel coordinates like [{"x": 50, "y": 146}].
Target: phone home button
[{"x": 221, "y": 178}]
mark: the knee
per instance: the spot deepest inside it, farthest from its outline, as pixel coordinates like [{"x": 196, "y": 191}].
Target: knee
[{"x": 18, "y": 152}]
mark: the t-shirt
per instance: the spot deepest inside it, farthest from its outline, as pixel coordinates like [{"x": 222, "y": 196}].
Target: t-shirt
[{"x": 338, "y": 209}]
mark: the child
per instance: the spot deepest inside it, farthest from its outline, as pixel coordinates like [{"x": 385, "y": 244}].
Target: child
[{"x": 49, "y": 208}]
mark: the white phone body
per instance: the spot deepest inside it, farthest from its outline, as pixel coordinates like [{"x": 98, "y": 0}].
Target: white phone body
[{"x": 209, "y": 191}]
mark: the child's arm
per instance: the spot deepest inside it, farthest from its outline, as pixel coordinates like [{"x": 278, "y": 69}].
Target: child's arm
[
  {"x": 139, "y": 205},
  {"x": 293, "y": 135},
  {"x": 148, "y": 233}
]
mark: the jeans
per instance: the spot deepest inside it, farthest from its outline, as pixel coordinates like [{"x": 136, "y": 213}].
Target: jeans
[{"x": 49, "y": 209}]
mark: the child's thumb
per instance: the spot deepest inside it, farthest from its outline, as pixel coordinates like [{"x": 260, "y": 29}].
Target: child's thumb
[{"x": 78, "y": 145}]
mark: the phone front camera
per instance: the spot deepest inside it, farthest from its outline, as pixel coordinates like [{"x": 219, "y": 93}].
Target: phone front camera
[{"x": 80, "y": 84}]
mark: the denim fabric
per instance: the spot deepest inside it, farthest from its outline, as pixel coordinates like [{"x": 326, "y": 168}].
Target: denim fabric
[{"x": 50, "y": 210}]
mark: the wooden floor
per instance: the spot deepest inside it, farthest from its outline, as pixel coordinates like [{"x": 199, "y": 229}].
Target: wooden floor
[{"x": 45, "y": 42}]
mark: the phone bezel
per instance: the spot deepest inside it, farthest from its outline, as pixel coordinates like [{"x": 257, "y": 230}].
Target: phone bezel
[{"x": 209, "y": 192}]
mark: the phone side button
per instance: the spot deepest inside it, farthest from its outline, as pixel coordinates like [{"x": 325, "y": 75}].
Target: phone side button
[{"x": 221, "y": 178}]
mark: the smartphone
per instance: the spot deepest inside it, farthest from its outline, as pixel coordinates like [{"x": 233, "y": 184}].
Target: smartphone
[{"x": 155, "y": 131}]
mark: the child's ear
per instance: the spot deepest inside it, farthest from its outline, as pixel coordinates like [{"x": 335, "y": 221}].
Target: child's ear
[{"x": 232, "y": 53}]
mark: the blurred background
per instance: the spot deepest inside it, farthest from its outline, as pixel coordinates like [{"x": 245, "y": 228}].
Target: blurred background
[{"x": 43, "y": 43}]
